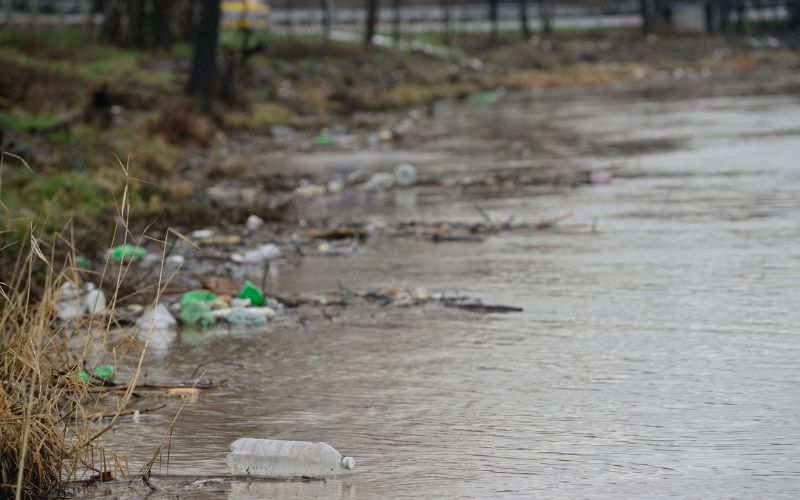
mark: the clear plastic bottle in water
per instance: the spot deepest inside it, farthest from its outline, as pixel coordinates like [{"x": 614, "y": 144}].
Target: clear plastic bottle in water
[{"x": 273, "y": 458}]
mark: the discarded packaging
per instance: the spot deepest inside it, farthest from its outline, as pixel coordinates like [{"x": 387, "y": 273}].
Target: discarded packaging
[
  {"x": 251, "y": 316},
  {"x": 127, "y": 251},
  {"x": 597, "y": 176},
  {"x": 252, "y": 292},
  {"x": 310, "y": 190},
  {"x": 380, "y": 180},
  {"x": 196, "y": 313},
  {"x": 197, "y": 296},
  {"x": 485, "y": 97},
  {"x": 157, "y": 318},
  {"x": 254, "y": 222},
  {"x": 101, "y": 375},
  {"x": 324, "y": 140},
  {"x": 95, "y": 300},
  {"x": 202, "y": 234},
  {"x": 175, "y": 260},
  {"x": 273, "y": 458},
  {"x": 68, "y": 301},
  {"x": 221, "y": 285},
  {"x": 260, "y": 254},
  {"x": 405, "y": 174}
]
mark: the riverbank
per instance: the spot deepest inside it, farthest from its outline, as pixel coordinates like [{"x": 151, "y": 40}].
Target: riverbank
[{"x": 70, "y": 104}]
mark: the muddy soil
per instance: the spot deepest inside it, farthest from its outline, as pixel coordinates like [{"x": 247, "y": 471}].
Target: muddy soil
[{"x": 656, "y": 355}]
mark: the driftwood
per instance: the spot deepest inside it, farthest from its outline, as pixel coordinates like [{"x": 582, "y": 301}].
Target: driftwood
[{"x": 174, "y": 388}]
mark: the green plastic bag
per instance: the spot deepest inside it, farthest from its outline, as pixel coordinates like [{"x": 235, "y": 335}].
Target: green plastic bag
[
  {"x": 127, "y": 251},
  {"x": 252, "y": 292},
  {"x": 485, "y": 97},
  {"x": 197, "y": 296},
  {"x": 196, "y": 313},
  {"x": 324, "y": 140},
  {"x": 101, "y": 375}
]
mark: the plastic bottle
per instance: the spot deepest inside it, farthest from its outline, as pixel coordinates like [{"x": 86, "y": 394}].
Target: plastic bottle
[
  {"x": 95, "y": 300},
  {"x": 405, "y": 173},
  {"x": 273, "y": 458},
  {"x": 257, "y": 255},
  {"x": 251, "y": 316},
  {"x": 68, "y": 303}
]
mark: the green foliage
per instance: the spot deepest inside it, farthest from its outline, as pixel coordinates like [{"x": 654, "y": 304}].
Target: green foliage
[{"x": 21, "y": 120}]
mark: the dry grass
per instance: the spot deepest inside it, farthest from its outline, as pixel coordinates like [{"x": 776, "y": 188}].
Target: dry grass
[{"x": 51, "y": 423}]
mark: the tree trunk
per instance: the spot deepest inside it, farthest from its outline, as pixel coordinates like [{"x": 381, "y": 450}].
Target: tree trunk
[
  {"x": 525, "y": 28},
  {"x": 112, "y": 25},
  {"x": 794, "y": 14},
  {"x": 372, "y": 21},
  {"x": 546, "y": 15},
  {"x": 203, "y": 75},
  {"x": 493, "y": 20},
  {"x": 162, "y": 34},
  {"x": 33, "y": 6},
  {"x": 397, "y": 4},
  {"x": 446, "y": 23},
  {"x": 644, "y": 12},
  {"x": 88, "y": 16},
  {"x": 7, "y": 13},
  {"x": 289, "y": 6}
]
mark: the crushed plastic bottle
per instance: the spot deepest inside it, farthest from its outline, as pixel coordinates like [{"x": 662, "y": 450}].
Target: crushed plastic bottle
[
  {"x": 68, "y": 302},
  {"x": 273, "y": 458},
  {"x": 254, "y": 222},
  {"x": 257, "y": 255},
  {"x": 405, "y": 174},
  {"x": 95, "y": 300},
  {"x": 251, "y": 316}
]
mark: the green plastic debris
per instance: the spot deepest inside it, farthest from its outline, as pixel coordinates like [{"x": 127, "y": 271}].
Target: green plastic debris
[
  {"x": 252, "y": 292},
  {"x": 486, "y": 97},
  {"x": 127, "y": 251},
  {"x": 324, "y": 140},
  {"x": 101, "y": 375},
  {"x": 105, "y": 373},
  {"x": 82, "y": 262},
  {"x": 197, "y": 296},
  {"x": 196, "y": 313}
]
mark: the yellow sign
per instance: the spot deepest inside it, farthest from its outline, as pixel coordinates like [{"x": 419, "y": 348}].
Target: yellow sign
[{"x": 245, "y": 14}]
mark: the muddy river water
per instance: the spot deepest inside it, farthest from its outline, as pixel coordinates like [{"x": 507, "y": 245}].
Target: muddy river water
[{"x": 658, "y": 353}]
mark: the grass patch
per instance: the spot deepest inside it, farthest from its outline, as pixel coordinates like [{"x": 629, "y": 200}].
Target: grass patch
[{"x": 21, "y": 120}]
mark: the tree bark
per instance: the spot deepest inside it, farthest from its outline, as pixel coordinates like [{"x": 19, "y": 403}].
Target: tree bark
[
  {"x": 546, "y": 15},
  {"x": 493, "y": 20},
  {"x": 397, "y": 4},
  {"x": 161, "y": 30},
  {"x": 33, "y": 5},
  {"x": 7, "y": 12},
  {"x": 446, "y": 23},
  {"x": 203, "y": 75},
  {"x": 372, "y": 21},
  {"x": 525, "y": 28},
  {"x": 794, "y": 14}
]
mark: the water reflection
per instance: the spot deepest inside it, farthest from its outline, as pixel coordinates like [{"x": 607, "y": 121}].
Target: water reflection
[{"x": 656, "y": 356}]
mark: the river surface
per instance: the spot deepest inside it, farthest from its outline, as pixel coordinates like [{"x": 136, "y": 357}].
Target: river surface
[{"x": 658, "y": 353}]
